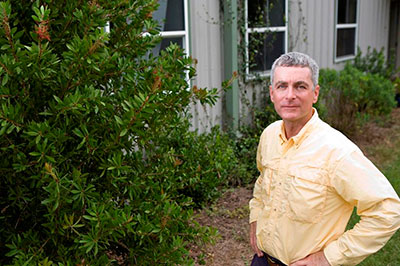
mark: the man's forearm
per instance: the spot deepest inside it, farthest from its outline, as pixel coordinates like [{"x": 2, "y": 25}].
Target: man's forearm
[{"x": 368, "y": 236}]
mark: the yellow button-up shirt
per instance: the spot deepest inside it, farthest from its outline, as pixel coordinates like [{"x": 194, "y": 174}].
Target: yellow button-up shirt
[{"x": 307, "y": 189}]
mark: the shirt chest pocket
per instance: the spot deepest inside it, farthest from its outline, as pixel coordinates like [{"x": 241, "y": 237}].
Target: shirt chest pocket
[{"x": 307, "y": 194}]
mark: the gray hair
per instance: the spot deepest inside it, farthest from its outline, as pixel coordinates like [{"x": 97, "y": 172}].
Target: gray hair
[{"x": 297, "y": 59}]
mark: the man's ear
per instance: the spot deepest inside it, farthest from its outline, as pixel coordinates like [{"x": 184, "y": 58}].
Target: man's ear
[{"x": 316, "y": 94}]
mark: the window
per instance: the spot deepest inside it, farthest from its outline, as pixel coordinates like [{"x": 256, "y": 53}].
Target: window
[
  {"x": 346, "y": 29},
  {"x": 266, "y": 34},
  {"x": 172, "y": 15}
]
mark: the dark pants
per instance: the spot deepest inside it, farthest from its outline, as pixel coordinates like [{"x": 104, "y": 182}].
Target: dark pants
[{"x": 264, "y": 261}]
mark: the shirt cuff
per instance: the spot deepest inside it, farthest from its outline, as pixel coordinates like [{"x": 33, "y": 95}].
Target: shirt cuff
[
  {"x": 333, "y": 254},
  {"x": 254, "y": 215}
]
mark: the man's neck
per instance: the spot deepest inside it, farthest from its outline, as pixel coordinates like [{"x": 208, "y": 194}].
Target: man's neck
[{"x": 293, "y": 128}]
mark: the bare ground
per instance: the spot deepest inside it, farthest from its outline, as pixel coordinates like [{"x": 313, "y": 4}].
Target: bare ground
[{"x": 229, "y": 215}]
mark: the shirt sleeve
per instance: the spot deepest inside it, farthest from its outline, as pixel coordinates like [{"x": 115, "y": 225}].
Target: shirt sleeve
[
  {"x": 256, "y": 203},
  {"x": 362, "y": 185}
]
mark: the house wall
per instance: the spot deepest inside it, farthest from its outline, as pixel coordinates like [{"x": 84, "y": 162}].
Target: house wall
[
  {"x": 314, "y": 22},
  {"x": 312, "y": 30},
  {"x": 374, "y": 24},
  {"x": 205, "y": 46}
]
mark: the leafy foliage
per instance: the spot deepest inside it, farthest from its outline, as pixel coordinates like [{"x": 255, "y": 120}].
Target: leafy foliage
[
  {"x": 97, "y": 161},
  {"x": 375, "y": 62},
  {"x": 204, "y": 163},
  {"x": 247, "y": 143},
  {"x": 351, "y": 96}
]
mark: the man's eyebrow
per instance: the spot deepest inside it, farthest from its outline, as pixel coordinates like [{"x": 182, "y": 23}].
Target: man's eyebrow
[
  {"x": 301, "y": 82},
  {"x": 280, "y": 82}
]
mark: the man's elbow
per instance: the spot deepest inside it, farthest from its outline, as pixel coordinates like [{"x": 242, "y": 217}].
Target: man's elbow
[{"x": 392, "y": 207}]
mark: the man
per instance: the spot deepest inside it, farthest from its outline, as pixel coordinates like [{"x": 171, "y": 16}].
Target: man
[{"x": 311, "y": 178}]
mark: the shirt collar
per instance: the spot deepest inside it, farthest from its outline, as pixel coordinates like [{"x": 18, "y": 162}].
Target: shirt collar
[{"x": 304, "y": 132}]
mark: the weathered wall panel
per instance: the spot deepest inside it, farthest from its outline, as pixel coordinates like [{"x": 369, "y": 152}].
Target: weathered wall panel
[
  {"x": 374, "y": 24},
  {"x": 206, "y": 41},
  {"x": 317, "y": 29},
  {"x": 319, "y": 16}
]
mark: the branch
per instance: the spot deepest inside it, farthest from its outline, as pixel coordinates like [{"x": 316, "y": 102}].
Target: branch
[
  {"x": 5, "y": 68},
  {"x": 7, "y": 31},
  {"x": 92, "y": 49},
  {"x": 11, "y": 121}
]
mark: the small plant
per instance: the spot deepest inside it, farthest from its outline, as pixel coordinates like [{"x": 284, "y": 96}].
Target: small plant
[{"x": 374, "y": 62}]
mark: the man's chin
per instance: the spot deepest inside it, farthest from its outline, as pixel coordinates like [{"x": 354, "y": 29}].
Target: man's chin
[{"x": 289, "y": 115}]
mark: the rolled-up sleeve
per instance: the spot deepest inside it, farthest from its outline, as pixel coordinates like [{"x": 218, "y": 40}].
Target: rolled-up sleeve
[{"x": 362, "y": 185}]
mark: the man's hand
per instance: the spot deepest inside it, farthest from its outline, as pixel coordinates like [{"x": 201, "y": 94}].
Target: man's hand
[
  {"x": 253, "y": 239},
  {"x": 315, "y": 259}
]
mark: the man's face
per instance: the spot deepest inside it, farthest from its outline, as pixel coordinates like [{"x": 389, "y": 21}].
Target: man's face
[{"x": 293, "y": 95}]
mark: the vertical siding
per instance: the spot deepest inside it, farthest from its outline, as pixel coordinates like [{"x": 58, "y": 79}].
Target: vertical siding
[
  {"x": 374, "y": 24},
  {"x": 318, "y": 29},
  {"x": 373, "y": 28},
  {"x": 206, "y": 40}
]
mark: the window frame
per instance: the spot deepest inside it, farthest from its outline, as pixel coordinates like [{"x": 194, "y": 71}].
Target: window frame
[
  {"x": 267, "y": 73},
  {"x": 173, "y": 34},
  {"x": 346, "y": 26},
  {"x": 181, "y": 33}
]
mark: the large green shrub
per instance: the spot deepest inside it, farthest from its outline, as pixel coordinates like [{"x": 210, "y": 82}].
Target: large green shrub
[
  {"x": 351, "y": 96},
  {"x": 96, "y": 160}
]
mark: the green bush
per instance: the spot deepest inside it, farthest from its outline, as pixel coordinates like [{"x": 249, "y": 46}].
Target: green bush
[
  {"x": 246, "y": 144},
  {"x": 97, "y": 162},
  {"x": 203, "y": 163},
  {"x": 375, "y": 63},
  {"x": 351, "y": 96}
]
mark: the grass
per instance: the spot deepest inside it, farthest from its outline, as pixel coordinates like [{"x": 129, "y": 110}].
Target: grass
[
  {"x": 387, "y": 158},
  {"x": 390, "y": 254}
]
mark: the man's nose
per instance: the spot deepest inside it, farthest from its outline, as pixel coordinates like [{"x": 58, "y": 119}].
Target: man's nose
[{"x": 290, "y": 93}]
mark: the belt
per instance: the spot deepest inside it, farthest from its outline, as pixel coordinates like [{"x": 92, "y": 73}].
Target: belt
[{"x": 273, "y": 261}]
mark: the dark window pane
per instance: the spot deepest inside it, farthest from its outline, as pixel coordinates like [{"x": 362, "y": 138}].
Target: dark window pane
[
  {"x": 167, "y": 42},
  {"x": 347, "y": 11},
  {"x": 266, "y": 13},
  {"x": 345, "y": 44},
  {"x": 264, "y": 48},
  {"x": 170, "y": 15}
]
